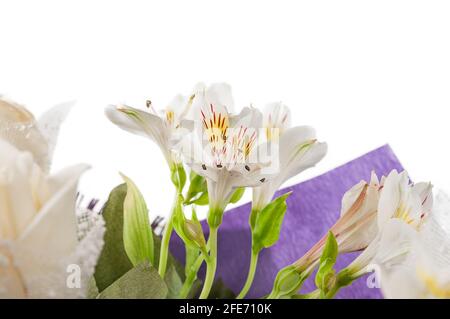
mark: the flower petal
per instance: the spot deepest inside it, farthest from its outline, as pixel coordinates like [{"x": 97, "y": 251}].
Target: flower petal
[
  {"x": 304, "y": 155},
  {"x": 425, "y": 193},
  {"x": 389, "y": 198},
  {"x": 141, "y": 123},
  {"x": 220, "y": 94},
  {"x": 55, "y": 229},
  {"x": 395, "y": 242},
  {"x": 19, "y": 201},
  {"x": 277, "y": 118},
  {"x": 18, "y": 126},
  {"x": 350, "y": 197}
]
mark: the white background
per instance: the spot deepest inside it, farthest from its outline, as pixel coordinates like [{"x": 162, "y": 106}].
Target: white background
[{"x": 364, "y": 73}]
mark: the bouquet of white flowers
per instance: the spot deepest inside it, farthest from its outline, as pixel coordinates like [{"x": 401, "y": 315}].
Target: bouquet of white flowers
[{"x": 292, "y": 239}]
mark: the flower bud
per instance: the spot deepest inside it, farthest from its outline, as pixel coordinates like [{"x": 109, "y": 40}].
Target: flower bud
[
  {"x": 190, "y": 231},
  {"x": 194, "y": 232},
  {"x": 287, "y": 282}
]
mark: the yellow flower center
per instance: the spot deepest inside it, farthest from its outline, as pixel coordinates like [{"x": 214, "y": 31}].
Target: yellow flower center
[
  {"x": 272, "y": 133},
  {"x": 170, "y": 115},
  {"x": 404, "y": 213},
  {"x": 216, "y": 126},
  {"x": 432, "y": 285}
]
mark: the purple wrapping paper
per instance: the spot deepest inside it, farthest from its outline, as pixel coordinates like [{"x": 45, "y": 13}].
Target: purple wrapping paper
[{"x": 313, "y": 207}]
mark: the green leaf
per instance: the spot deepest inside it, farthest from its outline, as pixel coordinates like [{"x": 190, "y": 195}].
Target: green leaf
[
  {"x": 197, "y": 192},
  {"x": 137, "y": 232},
  {"x": 141, "y": 282},
  {"x": 178, "y": 176},
  {"x": 268, "y": 223},
  {"x": 202, "y": 200},
  {"x": 173, "y": 282},
  {"x": 237, "y": 195},
  {"x": 330, "y": 250},
  {"x": 113, "y": 261},
  {"x": 326, "y": 274},
  {"x": 192, "y": 176},
  {"x": 92, "y": 291},
  {"x": 197, "y": 184}
]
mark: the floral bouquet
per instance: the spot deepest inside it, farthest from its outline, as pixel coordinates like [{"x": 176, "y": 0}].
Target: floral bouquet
[{"x": 362, "y": 226}]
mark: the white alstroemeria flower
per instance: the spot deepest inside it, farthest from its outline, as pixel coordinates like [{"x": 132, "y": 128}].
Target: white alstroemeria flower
[
  {"x": 164, "y": 127},
  {"x": 19, "y": 127},
  {"x": 425, "y": 272},
  {"x": 39, "y": 246},
  {"x": 402, "y": 209},
  {"x": 297, "y": 148},
  {"x": 357, "y": 225},
  {"x": 158, "y": 126},
  {"x": 223, "y": 148}
]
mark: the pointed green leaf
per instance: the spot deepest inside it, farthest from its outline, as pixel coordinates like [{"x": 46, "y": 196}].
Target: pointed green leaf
[
  {"x": 202, "y": 200},
  {"x": 326, "y": 273},
  {"x": 192, "y": 175},
  {"x": 197, "y": 192},
  {"x": 330, "y": 250},
  {"x": 113, "y": 261},
  {"x": 137, "y": 232},
  {"x": 178, "y": 176},
  {"x": 268, "y": 223},
  {"x": 237, "y": 195}
]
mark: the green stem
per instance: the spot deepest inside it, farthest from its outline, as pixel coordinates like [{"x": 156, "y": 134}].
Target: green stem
[
  {"x": 191, "y": 277},
  {"x": 164, "y": 252},
  {"x": 344, "y": 278},
  {"x": 250, "y": 276},
  {"x": 312, "y": 295},
  {"x": 211, "y": 264},
  {"x": 273, "y": 295},
  {"x": 165, "y": 248},
  {"x": 330, "y": 294},
  {"x": 192, "y": 274}
]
